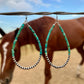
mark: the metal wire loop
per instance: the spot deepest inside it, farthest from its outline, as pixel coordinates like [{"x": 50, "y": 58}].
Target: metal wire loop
[
  {"x": 16, "y": 39},
  {"x": 46, "y": 45}
]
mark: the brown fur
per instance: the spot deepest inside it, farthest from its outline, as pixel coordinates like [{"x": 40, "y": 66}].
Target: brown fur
[{"x": 74, "y": 30}]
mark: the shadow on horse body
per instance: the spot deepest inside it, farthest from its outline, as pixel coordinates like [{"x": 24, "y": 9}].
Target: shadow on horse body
[{"x": 74, "y": 30}]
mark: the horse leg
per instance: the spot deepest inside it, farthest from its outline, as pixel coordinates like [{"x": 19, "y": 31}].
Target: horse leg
[
  {"x": 81, "y": 51},
  {"x": 47, "y": 66}
]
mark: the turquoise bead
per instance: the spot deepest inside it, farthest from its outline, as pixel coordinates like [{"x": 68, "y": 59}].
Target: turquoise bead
[
  {"x": 45, "y": 49},
  {"x": 40, "y": 47},
  {"x": 13, "y": 46},
  {"x": 53, "y": 26},
  {"x": 63, "y": 34},
  {"x": 18, "y": 32},
  {"x": 12, "y": 52},
  {"x": 40, "y": 52},
  {"x": 22, "y": 25},
  {"x": 46, "y": 45},
  {"x": 51, "y": 29},
  {"x": 16, "y": 38},
  {"x": 62, "y": 31},
  {"x": 37, "y": 37},
  {"x": 47, "y": 37},
  {"x": 67, "y": 43},
  {"x": 65, "y": 38},
  {"x": 14, "y": 42},
  {"x": 45, "y": 53}
]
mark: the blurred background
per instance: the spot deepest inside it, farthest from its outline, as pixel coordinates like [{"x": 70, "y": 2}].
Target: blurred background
[{"x": 9, "y": 23}]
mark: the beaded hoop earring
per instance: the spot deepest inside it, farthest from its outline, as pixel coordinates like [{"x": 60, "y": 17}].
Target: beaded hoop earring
[
  {"x": 46, "y": 44},
  {"x": 14, "y": 43}
]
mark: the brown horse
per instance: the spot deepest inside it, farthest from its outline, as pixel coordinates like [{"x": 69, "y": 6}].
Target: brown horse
[{"x": 74, "y": 30}]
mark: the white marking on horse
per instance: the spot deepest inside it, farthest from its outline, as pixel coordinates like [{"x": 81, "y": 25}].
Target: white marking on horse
[
  {"x": 78, "y": 69},
  {"x": 5, "y": 52}
]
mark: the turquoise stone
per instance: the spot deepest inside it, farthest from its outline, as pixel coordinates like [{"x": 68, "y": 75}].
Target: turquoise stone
[
  {"x": 22, "y": 25},
  {"x": 46, "y": 45},
  {"x": 13, "y": 46},
  {"x": 14, "y": 42},
  {"x": 45, "y": 49},
  {"x": 40, "y": 46},
  {"x": 16, "y": 38},
  {"x": 63, "y": 34},
  {"x": 45, "y": 53},
  {"x": 36, "y": 39},
  {"x": 53, "y": 26},
  {"x": 41, "y": 52},
  {"x": 12, "y": 52},
  {"x": 65, "y": 38}
]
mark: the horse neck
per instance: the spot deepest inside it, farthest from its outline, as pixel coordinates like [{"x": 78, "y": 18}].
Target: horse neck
[
  {"x": 40, "y": 26},
  {"x": 26, "y": 37},
  {"x": 81, "y": 20}
]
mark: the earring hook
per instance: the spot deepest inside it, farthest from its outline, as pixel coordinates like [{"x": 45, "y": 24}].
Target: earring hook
[
  {"x": 25, "y": 20},
  {"x": 56, "y": 19}
]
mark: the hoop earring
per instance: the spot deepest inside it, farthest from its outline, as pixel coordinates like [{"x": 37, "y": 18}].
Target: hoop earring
[
  {"x": 16, "y": 39},
  {"x": 46, "y": 45}
]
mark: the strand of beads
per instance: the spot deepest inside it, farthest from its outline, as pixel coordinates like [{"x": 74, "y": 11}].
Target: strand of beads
[
  {"x": 46, "y": 46},
  {"x": 14, "y": 43}
]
